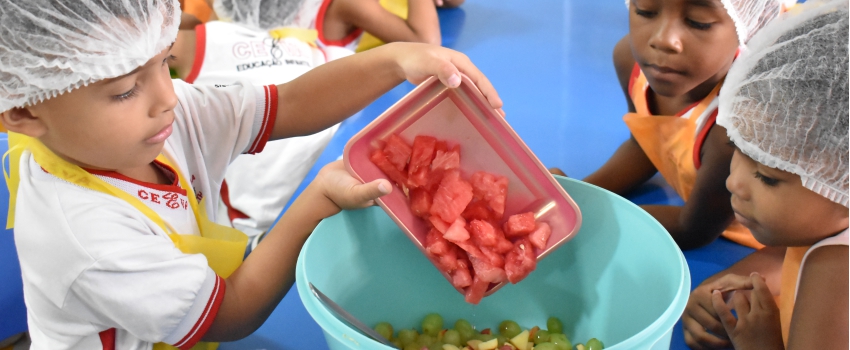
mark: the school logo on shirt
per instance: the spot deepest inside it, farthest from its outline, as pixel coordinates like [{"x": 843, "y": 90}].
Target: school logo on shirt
[{"x": 269, "y": 53}]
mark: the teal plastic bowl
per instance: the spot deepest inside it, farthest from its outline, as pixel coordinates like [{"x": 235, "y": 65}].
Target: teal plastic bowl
[{"x": 622, "y": 279}]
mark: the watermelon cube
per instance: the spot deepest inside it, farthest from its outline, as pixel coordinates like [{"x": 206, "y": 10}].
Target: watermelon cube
[
  {"x": 475, "y": 292},
  {"x": 520, "y": 261},
  {"x": 420, "y": 202},
  {"x": 483, "y": 233},
  {"x": 447, "y": 160},
  {"x": 397, "y": 151},
  {"x": 379, "y": 158},
  {"x": 492, "y": 189},
  {"x": 457, "y": 231},
  {"x": 520, "y": 225},
  {"x": 420, "y": 160},
  {"x": 435, "y": 243},
  {"x": 493, "y": 257},
  {"x": 452, "y": 197},
  {"x": 448, "y": 260},
  {"x": 438, "y": 223},
  {"x": 478, "y": 210},
  {"x": 461, "y": 277},
  {"x": 540, "y": 236},
  {"x": 487, "y": 271}
]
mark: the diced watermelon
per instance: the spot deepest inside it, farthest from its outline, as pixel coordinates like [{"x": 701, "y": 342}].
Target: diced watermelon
[
  {"x": 493, "y": 257},
  {"x": 420, "y": 160},
  {"x": 492, "y": 189},
  {"x": 519, "y": 225},
  {"x": 397, "y": 151},
  {"x": 486, "y": 271},
  {"x": 452, "y": 197},
  {"x": 420, "y": 202},
  {"x": 457, "y": 231},
  {"x": 483, "y": 233},
  {"x": 438, "y": 223},
  {"x": 461, "y": 277},
  {"x": 475, "y": 292},
  {"x": 435, "y": 243},
  {"x": 448, "y": 260},
  {"x": 540, "y": 236},
  {"x": 503, "y": 245},
  {"x": 478, "y": 210},
  {"x": 379, "y": 158},
  {"x": 520, "y": 261},
  {"x": 441, "y": 146},
  {"x": 447, "y": 160}
]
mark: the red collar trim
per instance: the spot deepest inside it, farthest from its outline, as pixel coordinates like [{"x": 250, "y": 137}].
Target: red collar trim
[{"x": 173, "y": 187}]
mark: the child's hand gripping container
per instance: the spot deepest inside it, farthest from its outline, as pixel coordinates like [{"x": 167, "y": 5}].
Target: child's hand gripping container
[{"x": 462, "y": 116}]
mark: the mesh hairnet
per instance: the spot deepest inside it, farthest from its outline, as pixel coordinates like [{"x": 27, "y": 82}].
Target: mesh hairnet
[
  {"x": 258, "y": 14},
  {"x": 749, "y": 15},
  {"x": 785, "y": 100},
  {"x": 49, "y": 47}
]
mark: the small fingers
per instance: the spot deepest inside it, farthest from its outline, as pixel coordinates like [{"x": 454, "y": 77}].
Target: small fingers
[
  {"x": 364, "y": 195},
  {"x": 761, "y": 295},
  {"x": 707, "y": 320},
  {"x": 723, "y": 312},
  {"x": 557, "y": 171},
  {"x": 732, "y": 282},
  {"x": 698, "y": 335}
]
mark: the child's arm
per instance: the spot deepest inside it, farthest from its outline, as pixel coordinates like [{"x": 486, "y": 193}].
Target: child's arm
[
  {"x": 336, "y": 90},
  {"x": 700, "y": 322},
  {"x": 820, "y": 312},
  {"x": 422, "y": 24},
  {"x": 258, "y": 285},
  {"x": 708, "y": 210},
  {"x": 629, "y": 166},
  {"x": 183, "y": 52}
]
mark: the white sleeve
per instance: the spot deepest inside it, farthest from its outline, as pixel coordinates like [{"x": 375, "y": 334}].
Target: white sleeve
[{"x": 220, "y": 122}]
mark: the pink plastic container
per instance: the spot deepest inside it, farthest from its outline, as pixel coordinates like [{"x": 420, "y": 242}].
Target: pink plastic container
[{"x": 487, "y": 143}]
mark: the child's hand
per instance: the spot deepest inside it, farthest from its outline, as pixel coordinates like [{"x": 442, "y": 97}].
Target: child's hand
[
  {"x": 557, "y": 171},
  {"x": 700, "y": 323},
  {"x": 347, "y": 192},
  {"x": 757, "y": 325},
  {"x": 421, "y": 61}
]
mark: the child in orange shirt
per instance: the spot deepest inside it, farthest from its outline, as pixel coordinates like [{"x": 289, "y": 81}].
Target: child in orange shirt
[
  {"x": 785, "y": 106},
  {"x": 671, "y": 66}
]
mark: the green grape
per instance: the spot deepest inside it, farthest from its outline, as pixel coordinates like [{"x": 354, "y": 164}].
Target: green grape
[
  {"x": 542, "y": 336},
  {"x": 398, "y": 344},
  {"x": 502, "y": 339},
  {"x": 594, "y": 344},
  {"x": 465, "y": 329},
  {"x": 554, "y": 325},
  {"x": 436, "y": 346},
  {"x": 545, "y": 346},
  {"x": 384, "y": 329},
  {"x": 407, "y": 336},
  {"x": 509, "y": 328},
  {"x": 432, "y": 324},
  {"x": 484, "y": 337},
  {"x": 426, "y": 339},
  {"x": 560, "y": 341},
  {"x": 452, "y": 337},
  {"x": 412, "y": 346}
]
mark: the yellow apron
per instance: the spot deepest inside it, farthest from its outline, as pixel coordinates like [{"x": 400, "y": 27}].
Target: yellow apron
[
  {"x": 669, "y": 142},
  {"x": 224, "y": 247},
  {"x": 396, "y": 7}
]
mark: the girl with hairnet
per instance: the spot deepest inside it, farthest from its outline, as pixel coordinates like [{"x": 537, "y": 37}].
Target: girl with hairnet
[
  {"x": 785, "y": 108},
  {"x": 115, "y": 171},
  {"x": 671, "y": 65}
]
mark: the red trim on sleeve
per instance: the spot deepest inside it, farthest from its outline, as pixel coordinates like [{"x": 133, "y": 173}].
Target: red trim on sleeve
[
  {"x": 205, "y": 321},
  {"x": 200, "y": 50},
  {"x": 269, "y": 117},
  {"x": 107, "y": 338},
  {"x": 633, "y": 77},
  {"x": 232, "y": 212},
  {"x": 700, "y": 140},
  {"x": 320, "y": 23}
]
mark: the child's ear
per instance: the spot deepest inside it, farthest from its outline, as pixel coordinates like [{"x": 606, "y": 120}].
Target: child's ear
[{"x": 22, "y": 121}]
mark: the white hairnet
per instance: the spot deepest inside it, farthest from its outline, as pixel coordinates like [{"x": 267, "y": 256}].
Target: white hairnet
[
  {"x": 257, "y": 14},
  {"x": 785, "y": 100},
  {"x": 49, "y": 47},
  {"x": 749, "y": 15}
]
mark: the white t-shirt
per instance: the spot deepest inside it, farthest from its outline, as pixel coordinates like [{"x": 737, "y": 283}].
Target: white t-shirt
[
  {"x": 97, "y": 273},
  {"x": 312, "y": 15}
]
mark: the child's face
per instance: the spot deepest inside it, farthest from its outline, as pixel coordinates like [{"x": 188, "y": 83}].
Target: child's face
[
  {"x": 113, "y": 124},
  {"x": 681, "y": 44},
  {"x": 776, "y": 207}
]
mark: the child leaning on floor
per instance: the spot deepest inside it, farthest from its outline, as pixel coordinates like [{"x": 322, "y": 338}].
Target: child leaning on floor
[
  {"x": 785, "y": 106},
  {"x": 119, "y": 167},
  {"x": 670, "y": 66}
]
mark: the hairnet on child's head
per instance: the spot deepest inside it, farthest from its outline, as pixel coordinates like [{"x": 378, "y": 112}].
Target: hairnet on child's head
[
  {"x": 785, "y": 100},
  {"x": 49, "y": 47},
  {"x": 749, "y": 15},
  {"x": 258, "y": 14}
]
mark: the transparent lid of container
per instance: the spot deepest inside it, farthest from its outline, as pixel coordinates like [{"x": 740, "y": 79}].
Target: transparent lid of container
[{"x": 462, "y": 116}]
